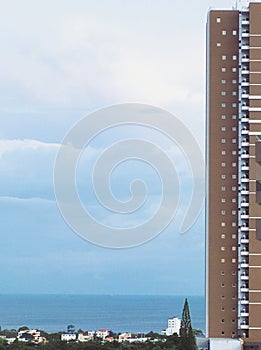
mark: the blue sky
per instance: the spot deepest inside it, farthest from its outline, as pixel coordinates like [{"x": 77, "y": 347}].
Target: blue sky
[{"x": 59, "y": 62}]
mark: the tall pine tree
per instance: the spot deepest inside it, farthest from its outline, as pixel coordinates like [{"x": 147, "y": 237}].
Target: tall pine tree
[{"x": 187, "y": 338}]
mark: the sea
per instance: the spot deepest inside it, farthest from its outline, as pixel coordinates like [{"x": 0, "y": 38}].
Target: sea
[{"x": 119, "y": 313}]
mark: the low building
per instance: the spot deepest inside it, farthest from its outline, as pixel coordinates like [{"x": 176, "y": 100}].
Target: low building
[
  {"x": 9, "y": 340},
  {"x": 124, "y": 337},
  {"x": 225, "y": 344},
  {"x": 102, "y": 333},
  {"x": 31, "y": 335},
  {"x": 68, "y": 336},
  {"x": 85, "y": 336}
]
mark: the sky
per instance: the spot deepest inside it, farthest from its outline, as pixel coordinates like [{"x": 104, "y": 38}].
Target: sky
[{"x": 61, "y": 61}]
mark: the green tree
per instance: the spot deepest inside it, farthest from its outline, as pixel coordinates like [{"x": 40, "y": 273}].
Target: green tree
[{"x": 187, "y": 338}]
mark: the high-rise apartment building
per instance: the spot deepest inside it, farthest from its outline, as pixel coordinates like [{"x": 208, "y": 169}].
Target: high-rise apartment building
[{"x": 233, "y": 209}]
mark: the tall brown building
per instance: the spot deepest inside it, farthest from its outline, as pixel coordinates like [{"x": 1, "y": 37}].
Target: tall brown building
[{"x": 233, "y": 214}]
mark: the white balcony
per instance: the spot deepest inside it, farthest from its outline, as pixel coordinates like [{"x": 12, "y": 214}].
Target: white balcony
[
  {"x": 244, "y": 290},
  {"x": 244, "y": 326},
  {"x": 244, "y": 277},
  {"x": 245, "y": 22},
  {"x": 244, "y": 155},
  {"x": 245, "y": 108},
  {"x": 245, "y": 35},
  {"x": 244, "y": 216},
  {"x": 244, "y": 252},
  {"x": 244, "y": 204},
  {"x": 244, "y": 120},
  {"x": 244, "y": 314},
  {"x": 245, "y": 167},
  {"x": 244, "y": 228},
  {"x": 245, "y": 71},
  {"x": 244, "y": 132},
  {"x": 244, "y": 179},
  {"x": 244, "y": 265},
  {"x": 244, "y": 241},
  {"x": 244, "y": 302}
]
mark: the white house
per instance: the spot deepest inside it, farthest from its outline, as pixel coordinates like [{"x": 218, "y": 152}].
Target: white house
[
  {"x": 68, "y": 336},
  {"x": 85, "y": 336},
  {"x": 30, "y": 335},
  {"x": 124, "y": 337},
  {"x": 102, "y": 333}
]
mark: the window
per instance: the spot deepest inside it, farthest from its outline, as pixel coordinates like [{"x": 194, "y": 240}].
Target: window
[
  {"x": 223, "y": 81},
  {"x": 223, "y": 212},
  {"x": 233, "y": 188},
  {"x": 234, "y": 273},
  {"x": 223, "y": 165},
  {"x": 234, "y": 140},
  {"x": 223, "y": 128},
  {"x": 234, "y": 236},
  {"x": 234, "y": 261},
  {"x": 224, "y": 32},
  {"x": 234, "y": 116},
  {"x": 223, "y": 105},
  {"x": 234, "y": 153},
  {"x": 234, "y": 128},
  {"x": 234, "y": 32},
  {"x": 223, "y": 261},
  {"x": 234, "y": 93},
  {"x": 234, "y": 285},
  {"x": 234, "y": 176},
  {"x": 222, "y": 248},
  {"x": 234, "y": 224},
  {"x": 233, "y": 297},
  {"x": 218, "y": 19},
  {"x": 222, "y": 333},
  {"x": 234, "y": 105},
  {"x": 233, "y": 212},
  {"x": 234, "y": 164},
  {"x": 233, "y": 200},
  {"x": 223, "y": 200},
  {"x": 222, "y": 273},
  {"x": 223, "y": 140},
  {"x": 233, "y": 321},
  {"x": 223, "y": 176},
  {"x": 223, "y": 236},
  {"x": 223, "y": 188},
  {"x": 234, "y": 81},
  {"x": 223, "y": 93},
  {"x": 222, "y": 321},
  {"x": 223, "y": 224},
  {"x": 234, "y": 69},
  {"x": 218, "y": 44},
  {"x": 234, "y": 57},
  {"x": 223, "y": 117},
  {"x": 234, "y": 248},
  {"x": 224, "y": 57},
  {"x": 223, "y": 152},
  {"x": 223, "y": 69}
]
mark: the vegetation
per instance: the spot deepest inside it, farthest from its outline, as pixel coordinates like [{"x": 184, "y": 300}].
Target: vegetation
[
  {"x": 187, "y": 337},
  {"x": 184, "y": 341}
]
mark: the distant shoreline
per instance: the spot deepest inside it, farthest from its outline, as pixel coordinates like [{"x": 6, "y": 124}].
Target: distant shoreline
[{"x": 120, "y": 313}]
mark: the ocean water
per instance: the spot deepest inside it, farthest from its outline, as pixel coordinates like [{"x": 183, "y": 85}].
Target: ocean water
[{"x": 119, "y": 313}]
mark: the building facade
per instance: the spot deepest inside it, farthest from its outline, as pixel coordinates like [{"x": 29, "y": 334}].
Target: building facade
[{"x": 233, "y": 153}]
